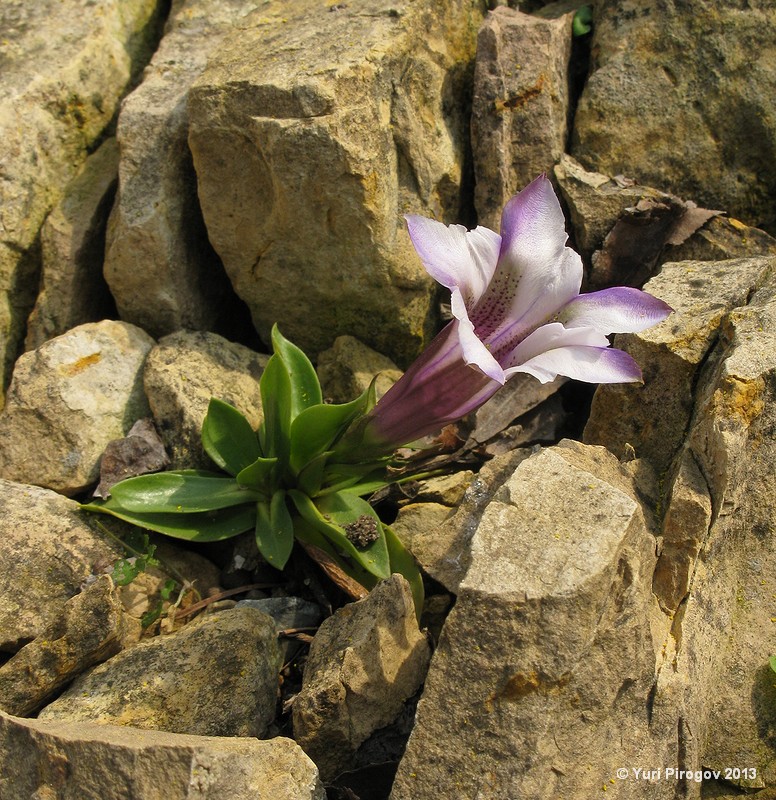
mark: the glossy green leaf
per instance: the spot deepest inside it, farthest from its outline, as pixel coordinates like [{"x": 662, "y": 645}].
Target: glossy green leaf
[
  {"x": 403, "y": 562},
  {"x": 310, "y": 478},
  {"x": 275, "y": 387},
  {"x": 259, "y": 475},
  {"x": 228, "y": 437},
  {"x": 210, "y": 526},
  {"x": 308, "y": 534},
  {"x": 318, "y": 427},
  {"x": 275, "y": 530},
  {"x": 182, "y": 492},
  {"x": 305, "y": 388},
  {"x": 339, "y": 477},
  {"x": 331, "y": 513}
]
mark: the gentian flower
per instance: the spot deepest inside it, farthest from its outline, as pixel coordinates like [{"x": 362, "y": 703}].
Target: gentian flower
[{"x": 517, "y": 308}]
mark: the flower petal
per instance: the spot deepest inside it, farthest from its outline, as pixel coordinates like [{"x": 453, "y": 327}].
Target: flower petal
[
  {"x": 536, "y": 273},
  {"x": 591, "y": 364},
  {"x": 550, "y": 337},
  {"x": 620, "y": 309},
  {"x": 474, "y": 351},
  {"x": 455, "y": 257}
]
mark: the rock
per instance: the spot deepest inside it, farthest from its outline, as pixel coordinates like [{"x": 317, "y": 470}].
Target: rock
[
  {"x": 72, "y": 289},
  {"x": 685, "y": 527},
  {"x": 448, "y": 490},
  {"x": 520, "y": 107},
  {"x": 653, "y": 418},
  {"x": 364, "y": 662},
  {"x": 49, "y": 550},
  {"x": 215, "y": 677},
  {"x": 183, "y": 372},
  {"x": 63, "y": 759},
  {"x": 65, "y": 69},
  {"x": 67, "y": 400},
  {"x": 657, "y": 102},
  {"x": 545, "y": 663},
  {"x": 139, "y": 452},
  {"x": 327, "y": 125},
  {"x": 347, "y": 368},
  {"x": 288, "y": 613},
  {"x": 160, "y": 266},
  {"x": 89, "y": 629},
  {"x": 519, "y": 395},
  {"x": 439, "y": 537},
  {"x": 724, "y": 238}
]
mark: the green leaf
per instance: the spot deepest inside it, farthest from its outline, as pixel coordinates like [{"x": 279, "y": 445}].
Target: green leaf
[
  {"x": 403, "y": 562},
  {"x": 310, "y": 478},
  {"x": 275, "y": 530},
  {"x": 582, "y": 22},
  {"x": 275, "y": 387},
  {"x": 339, "y": 477},
  {"x": 305, "y": 388},
  {"x": 126, "y": 570},
  {"x": 318, "y": 427},
  {"x": 772, "y": 662},
  {"x": 259, "y": 475},
  {"x": 330, "y": 514},
  {"x": 210, "y": 526},
  {"x": 228, "y": 437},
  {"x": 182, "y": 492}
]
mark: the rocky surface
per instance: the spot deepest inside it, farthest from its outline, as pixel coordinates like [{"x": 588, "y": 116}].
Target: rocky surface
[
  {"x": 183, "y": 372},
  {"x": 65, "y": 69},
  {"x": 559, "y": 577},
  {"x": 520, "y": 107},
  {"x": 89, "y": 629},
  {"x": 215, "y": 677},
  {"x": 68, "y": 760},
  {"x": 364, "y": 662},
  {"x": 328, "y": 122},
  {"x": 72, "y": 289},
  {"x": 67, "y": 400},
  {"x": 49, "y": 551},
  {"x": 658, "y": 109},
  {"x": 611, "y": 608},
  {"x": 161, "y": 268}
]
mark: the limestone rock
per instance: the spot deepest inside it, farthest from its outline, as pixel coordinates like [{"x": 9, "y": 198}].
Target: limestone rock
[
  {"x": 89, "y": 629},
  {"x": 541, "y": 679},
  {"x": 520, "y": 106},
  {"x": 72, "y": 289},
  {"x": 440, "y": 537},
  {"x": 658, "y": 99},
  {"x": 49, "y": 550},
  {"x": 215, "y": 677},
  {"x": 364, "y": 662},
  {"x": 64, "y": 760},
  {"x": 723, "y": 238},
  {"x": 65, "y": 69},
  {"x": 652, "y": 418},
  {"x": 160, "y": 266},
  {"x": 327, "y": 123},
  {"x": 67, "y": 400},
  {"x": 183, "y": 372},
  {"x": 347, "y": 368}
]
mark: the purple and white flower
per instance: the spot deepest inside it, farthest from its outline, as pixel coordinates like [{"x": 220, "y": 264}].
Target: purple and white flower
[{"x": 517, "y": 307}]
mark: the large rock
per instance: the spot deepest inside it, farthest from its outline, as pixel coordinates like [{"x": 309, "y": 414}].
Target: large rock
[
  {"x": 364, "y": 662},
  {"x": 653, "y": 418},
  {"x": 183, "y": 372},
  {"x": 541, "y": 681},
  {"x": 67, "y": 400},
  {"x": 217, "y": 676},
  {"x": 313, "y": 129},
  {"x": 89, "y": 629},
  {"x": 520, "y": 107},
  {"x": 69, "y": 760},
  {"x": 49, "y": 551},
  {"x": 161, "y": 268},
  {"x": 66, "y": 65},
  {"x": 72, "y": 289},
  {"x": 657, "y": 103}
]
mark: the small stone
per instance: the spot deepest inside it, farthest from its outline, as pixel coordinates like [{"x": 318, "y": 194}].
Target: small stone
[{"x": 364, "y": 663}]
